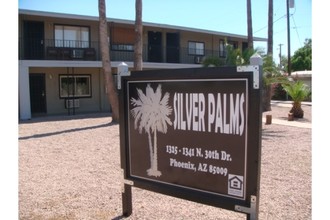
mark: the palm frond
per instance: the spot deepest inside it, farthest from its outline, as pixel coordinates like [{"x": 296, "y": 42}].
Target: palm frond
[
  {"x": 298, "y": 91},
  {"x": 151, "y": 111}
]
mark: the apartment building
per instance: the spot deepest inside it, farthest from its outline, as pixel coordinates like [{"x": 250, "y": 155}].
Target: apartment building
[{"x": 60, "y": 68}]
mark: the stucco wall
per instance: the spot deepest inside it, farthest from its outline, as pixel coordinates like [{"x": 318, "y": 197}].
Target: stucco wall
[
  {"x": 304, "y": 76},
  {"x": 56, "y": 105}
]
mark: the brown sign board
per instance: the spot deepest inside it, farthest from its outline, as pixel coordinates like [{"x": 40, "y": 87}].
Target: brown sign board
[{"x": 193, "y": 134}]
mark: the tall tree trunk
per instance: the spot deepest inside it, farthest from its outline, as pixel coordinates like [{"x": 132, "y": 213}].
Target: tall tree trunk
[
  {"x": 267, "y": 96},
  {"x": 109, "y": 82},
  {"x": 249, "y": 25},
  {"x": 270, "y": 29},
  {"x": 138, "y": 36}
]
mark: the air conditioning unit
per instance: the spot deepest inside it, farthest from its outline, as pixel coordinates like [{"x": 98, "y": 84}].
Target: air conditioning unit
[
  {"x": 198, "y": 59},
  {"x": 77, "y": 53},
  {"x": 72, "y": 103}
]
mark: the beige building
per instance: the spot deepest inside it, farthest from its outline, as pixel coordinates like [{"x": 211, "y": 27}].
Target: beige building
[
  {"x": 60, "y": 65},
  {"x": 305, "y": 76}
]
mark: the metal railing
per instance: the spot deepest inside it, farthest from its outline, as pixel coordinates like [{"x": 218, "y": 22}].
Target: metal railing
[{"x": 50, "y": 49}]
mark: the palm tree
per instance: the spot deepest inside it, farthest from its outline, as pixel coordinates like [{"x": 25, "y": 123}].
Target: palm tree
[
  {"x": 269, "y": 65},
  {"x": 249, "y": 25},
  {"x": 270, "y": 28},
  {"x": 298, "y": 91},
  {"x": 138, "y": 36},
  {"x": 233, "y": 56},
  {"x": 109, "y": 82},
  {"x": 212, "y": 61},
  {"x": 151, "y": 113},
  {"x": 270, "y": 73}
]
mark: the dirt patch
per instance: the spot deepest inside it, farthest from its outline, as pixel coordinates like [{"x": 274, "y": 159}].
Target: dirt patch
[{"x": 69, "y": 168}]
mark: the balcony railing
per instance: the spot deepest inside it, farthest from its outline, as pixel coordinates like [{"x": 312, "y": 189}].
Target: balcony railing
[{"x": 49, "y": 49}]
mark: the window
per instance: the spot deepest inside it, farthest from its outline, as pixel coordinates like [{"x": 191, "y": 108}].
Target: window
[
  {"x": 71, "y": 36},
  {"x": 222, "y": 48},
  {"x": 234, "y": 44},
  {"x": 75, "y": 86},
  {"x": 245, "y": 46},
  {"x": 195, "y": 48}
]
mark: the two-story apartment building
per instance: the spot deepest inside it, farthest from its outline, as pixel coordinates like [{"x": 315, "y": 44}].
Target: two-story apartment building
[{"x": 60, "y": 68}]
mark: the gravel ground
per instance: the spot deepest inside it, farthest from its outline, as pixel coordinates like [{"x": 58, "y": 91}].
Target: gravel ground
[{"x": 69, "y": 168}]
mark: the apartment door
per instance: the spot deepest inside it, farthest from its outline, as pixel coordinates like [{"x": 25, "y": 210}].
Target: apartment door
[
  {"x": 172, "y": 48},
  {"x": 154, "y": 46},
  {"x": 37, "y": 93},
  {"x": 33, "y": 40}
]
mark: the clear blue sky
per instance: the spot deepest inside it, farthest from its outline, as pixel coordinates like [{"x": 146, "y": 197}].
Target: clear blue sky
[{"x": 216, "y": 15}]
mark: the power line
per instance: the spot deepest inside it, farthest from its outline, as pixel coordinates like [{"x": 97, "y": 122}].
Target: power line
[
  {"x": 273, "y": 23},
  {"x": 295, "y": 27},
  {"x": 283, "y": 16},
  {"x": 279, "y": 4}
]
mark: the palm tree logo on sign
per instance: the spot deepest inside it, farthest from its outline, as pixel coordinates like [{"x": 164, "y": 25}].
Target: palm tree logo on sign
[{"x": 151, "y": 113}]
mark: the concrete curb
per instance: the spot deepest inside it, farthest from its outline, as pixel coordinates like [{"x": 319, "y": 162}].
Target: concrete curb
[
  {"x": 289, "y": 123},
  {"x": 285, "y": 122},
  {"x": 287, "y": 103}
]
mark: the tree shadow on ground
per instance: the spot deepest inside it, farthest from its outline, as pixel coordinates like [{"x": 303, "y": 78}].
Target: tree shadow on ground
[
  {"x": 119, "y": 217},
  {"x": 269, "y": 134},
  {"x": 66, "y": 131},
  {"x": 65, "y": 117},
  {"x": 304, "y": 120}
]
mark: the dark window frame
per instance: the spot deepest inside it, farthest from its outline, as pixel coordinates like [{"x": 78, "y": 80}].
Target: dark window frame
[
  {"x": 234, "y": 44},
  {"x": 75, "y": 93},
  {"x": 222, "y": 51},
  {"x": 194, "y": 51},
  {"x": 70, "y": 25}
]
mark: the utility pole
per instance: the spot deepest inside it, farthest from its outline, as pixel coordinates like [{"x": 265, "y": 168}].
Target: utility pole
[
  {"x": 280, "y": 55},
  {"x": 288, "y": 6}
]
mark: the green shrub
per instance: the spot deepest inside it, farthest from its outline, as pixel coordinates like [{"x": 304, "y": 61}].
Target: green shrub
[{"x": 212, "y": 61}]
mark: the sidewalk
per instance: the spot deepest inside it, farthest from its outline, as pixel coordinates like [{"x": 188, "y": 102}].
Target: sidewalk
[
  {"x": 289, "y": 123},
  {"x": 286, "y": 122},
  {"x": 287, "y": 103}
]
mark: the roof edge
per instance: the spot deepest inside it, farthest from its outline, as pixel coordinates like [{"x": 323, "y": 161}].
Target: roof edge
[{"x": 124, "y": 21}]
